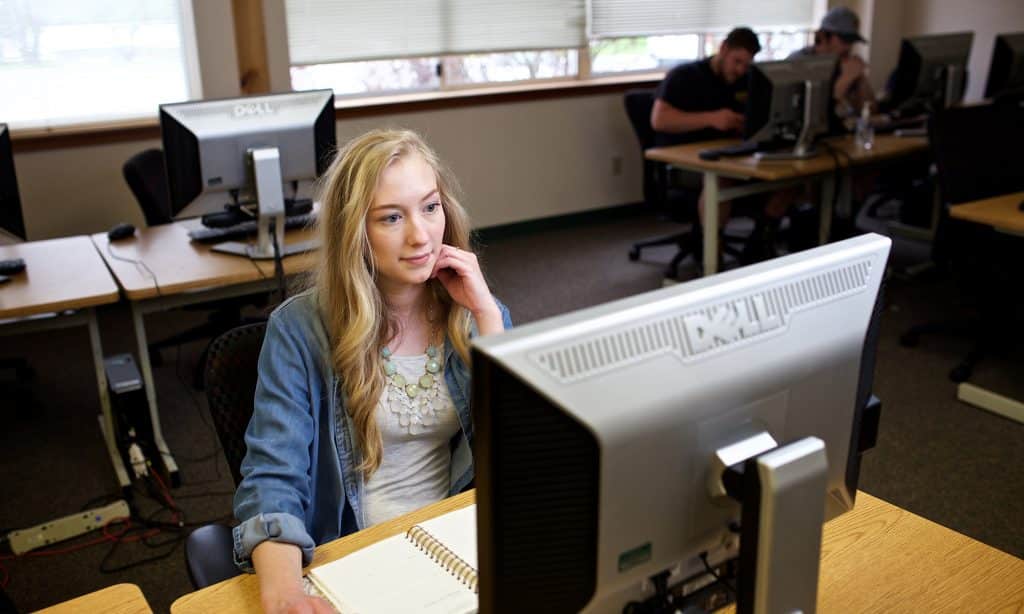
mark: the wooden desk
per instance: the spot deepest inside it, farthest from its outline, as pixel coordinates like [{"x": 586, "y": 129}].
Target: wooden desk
[
  {"x": 178, "y": 272},
  {"x": 772, "y": 175},
  {"x": 63, "y": 282},
  {"x": 876, "y": 558},
  {"x": 116, "y": 599},
  {"x": 1003, "y": 214}
]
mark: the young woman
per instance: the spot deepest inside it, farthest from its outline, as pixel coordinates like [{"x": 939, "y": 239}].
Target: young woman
[{"x": 362, "y": 406}]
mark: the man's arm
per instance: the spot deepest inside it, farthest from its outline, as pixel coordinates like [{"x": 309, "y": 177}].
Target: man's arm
[{"x": 666, "y": 118}]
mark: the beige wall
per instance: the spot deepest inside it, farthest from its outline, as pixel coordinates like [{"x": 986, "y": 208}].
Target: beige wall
[
  {"x": 985, "y": 17},
  {"x": 515, "y": 162},
  {"x": 891, "y": 20}
]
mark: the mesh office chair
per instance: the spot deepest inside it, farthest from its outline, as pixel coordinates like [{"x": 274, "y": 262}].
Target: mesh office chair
[
  {"x": 230, "y": 390},
  {"x": 680, "y": 203},
  {"x": 973, "y": 165},
  {"x": 146, "y": 176}
]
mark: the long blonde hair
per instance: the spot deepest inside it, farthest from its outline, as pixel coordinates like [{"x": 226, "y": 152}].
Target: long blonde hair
[{"x": 353, "y": 309}]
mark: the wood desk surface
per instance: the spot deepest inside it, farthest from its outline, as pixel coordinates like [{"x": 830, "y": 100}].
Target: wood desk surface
[
  {"x": 876, "y": 558},
  {"x": 687, "y": 156},
  {"x": 180, "y": 265},
  {"x": 1001, "y": 212},
  {"x": 59, "y": 274},
  {"x": 116, "y": 599}
]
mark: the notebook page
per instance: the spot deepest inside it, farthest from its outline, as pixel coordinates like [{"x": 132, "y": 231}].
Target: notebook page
[
  {"x": 457, "y": 531},
  {"x": 392, "y": 577}
]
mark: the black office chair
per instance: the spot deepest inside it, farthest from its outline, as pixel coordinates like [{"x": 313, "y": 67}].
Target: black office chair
[
  {"x": 679, "y": 203},
  {"x": 973, "y": 164},
  {"x": 146, "y": 176},
  {"x": 230, "y": 390}
]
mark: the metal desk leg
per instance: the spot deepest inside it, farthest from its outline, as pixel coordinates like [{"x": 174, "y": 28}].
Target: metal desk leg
[
  {"x": 828, "y": 192},
  {"x": 147, "y": 378},
  {"x": 106, "y": 417},
  {"x": 710, "y": 223}
]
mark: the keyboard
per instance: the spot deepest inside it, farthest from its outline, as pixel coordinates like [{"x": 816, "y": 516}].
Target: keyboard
[
  {"x": 246, "y": 229},
  {"x": 746, "y": 148}
]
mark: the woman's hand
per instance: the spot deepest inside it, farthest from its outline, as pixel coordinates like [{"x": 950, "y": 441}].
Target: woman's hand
[
  {"x": 459, "y": 272},
  {"x": 279, "y": 570},
  {"x": 294, "y": 601}
]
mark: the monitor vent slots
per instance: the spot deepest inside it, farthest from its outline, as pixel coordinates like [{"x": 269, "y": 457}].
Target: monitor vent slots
[{"x": 748, "y": 316}]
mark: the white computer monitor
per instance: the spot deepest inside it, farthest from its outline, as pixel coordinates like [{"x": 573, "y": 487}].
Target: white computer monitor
[{"x": 603, "y": 435}]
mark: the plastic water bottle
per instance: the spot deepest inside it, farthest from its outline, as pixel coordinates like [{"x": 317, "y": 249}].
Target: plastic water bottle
[{"x": 865, "y": 136}]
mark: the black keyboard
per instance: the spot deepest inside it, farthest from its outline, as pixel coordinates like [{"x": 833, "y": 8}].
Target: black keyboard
[
  {"x": 246, "y": 229},
  {"x": 746, "y": 148}
]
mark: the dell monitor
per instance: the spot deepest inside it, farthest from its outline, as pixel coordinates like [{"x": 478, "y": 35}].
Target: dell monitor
[
  {"x": 788, "y": 105},
  {"x": 12, "y": 225},
  {"x": 931, "y": 73},
  {"x": 1006, "y": 72},
  {"x": 621, "y": 446},
  {"x": 255, "y": 154}
]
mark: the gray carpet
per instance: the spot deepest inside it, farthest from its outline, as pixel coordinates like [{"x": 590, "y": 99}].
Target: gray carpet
[{"x": 949, "y": 462}]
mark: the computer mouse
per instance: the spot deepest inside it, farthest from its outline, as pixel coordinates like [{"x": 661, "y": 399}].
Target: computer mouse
[{"x": 121, "y": 231}]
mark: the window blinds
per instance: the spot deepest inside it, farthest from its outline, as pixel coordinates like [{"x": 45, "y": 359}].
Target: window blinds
[
  {"x": 612, "y": 18},
  {"x": 322, "y": 31}
]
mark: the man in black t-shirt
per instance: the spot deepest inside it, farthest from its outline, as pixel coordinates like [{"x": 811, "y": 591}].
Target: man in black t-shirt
[{"x": 705, "y": 100}]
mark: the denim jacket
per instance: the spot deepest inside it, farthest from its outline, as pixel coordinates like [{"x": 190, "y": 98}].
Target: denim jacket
[{"x": 299, "y": 479}]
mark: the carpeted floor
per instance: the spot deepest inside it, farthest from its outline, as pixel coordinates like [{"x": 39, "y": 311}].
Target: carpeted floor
[{"x": 956, "y": 465}]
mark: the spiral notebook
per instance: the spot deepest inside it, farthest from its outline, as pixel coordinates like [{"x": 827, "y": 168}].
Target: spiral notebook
[{"x": 430, "y": 568}]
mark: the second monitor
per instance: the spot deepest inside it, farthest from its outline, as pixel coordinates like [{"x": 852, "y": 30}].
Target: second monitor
[
  {"x": 254, "y": 156},
  {"x": 788, "y": 106}
]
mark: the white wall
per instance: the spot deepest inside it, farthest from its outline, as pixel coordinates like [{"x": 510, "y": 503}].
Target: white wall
[
  {"x": 894, "y": 19},
  {"x": 516, "y": 162}
]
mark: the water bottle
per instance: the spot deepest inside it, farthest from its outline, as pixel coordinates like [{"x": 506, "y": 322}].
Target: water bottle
[{"x": 865, "y": 136}]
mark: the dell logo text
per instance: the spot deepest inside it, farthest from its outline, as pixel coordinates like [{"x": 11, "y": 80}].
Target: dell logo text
[
  {"x": 252, "y": 108},
  {"x": 729, "y": 323}
]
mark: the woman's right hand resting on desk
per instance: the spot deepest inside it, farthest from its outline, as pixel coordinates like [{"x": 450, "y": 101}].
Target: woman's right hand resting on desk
[{"x": 279, "y": 569}]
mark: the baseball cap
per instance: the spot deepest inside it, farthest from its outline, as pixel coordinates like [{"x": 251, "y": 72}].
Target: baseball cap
[{"x": 844, "y": 23}]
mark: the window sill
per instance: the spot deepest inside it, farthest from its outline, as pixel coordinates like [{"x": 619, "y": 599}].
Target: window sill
[{"x": 83, "y": 135}]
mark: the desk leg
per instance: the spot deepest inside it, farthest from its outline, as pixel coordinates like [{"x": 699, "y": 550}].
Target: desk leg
[
  {"x": 106, "y": 417},
  {"x": 710, "y": 223},
  {"x": 147, "y": 378},
  {"x": 990, "y": 401},
  {"x": 828, "y": 192}
]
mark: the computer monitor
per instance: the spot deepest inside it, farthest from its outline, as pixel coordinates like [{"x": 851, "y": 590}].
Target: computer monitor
[
  {"x": 1006, "y": 72},
  {"x": 931, "y": 73},
  {"x": 788, "y": 104},
  {"x": 255, "y": 153},
  {"x": 602, "y": 436},
  {"x": 12, "y": 224}
]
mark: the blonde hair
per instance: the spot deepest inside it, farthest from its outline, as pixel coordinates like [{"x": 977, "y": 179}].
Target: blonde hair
[{"x": 353, "y": 309}]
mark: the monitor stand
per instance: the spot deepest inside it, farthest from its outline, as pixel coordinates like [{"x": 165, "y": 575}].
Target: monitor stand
[
  {"x": 265, "y": 163},
  {"x": 804, "y": 147},
  {"x": 782, "y": 494}
]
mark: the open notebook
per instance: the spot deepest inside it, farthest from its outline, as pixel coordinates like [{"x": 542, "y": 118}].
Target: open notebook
[{"x": 430, "y": 568}]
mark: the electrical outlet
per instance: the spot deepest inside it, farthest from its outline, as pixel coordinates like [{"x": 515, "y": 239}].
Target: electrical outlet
[
  {"x": 67, "y": 527},
  {"x": 616, "y": 165}
]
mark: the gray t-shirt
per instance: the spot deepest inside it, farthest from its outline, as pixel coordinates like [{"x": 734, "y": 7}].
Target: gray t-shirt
[{"x": 415, "y": 464}]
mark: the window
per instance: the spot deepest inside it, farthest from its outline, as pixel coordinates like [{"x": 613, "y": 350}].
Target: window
[
  {"x": 66, "y": 61},
  {"x": 616, "y": 36}
]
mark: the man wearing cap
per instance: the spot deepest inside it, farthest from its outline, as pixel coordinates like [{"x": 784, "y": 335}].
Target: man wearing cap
[{"x": 839, "y": 32}]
